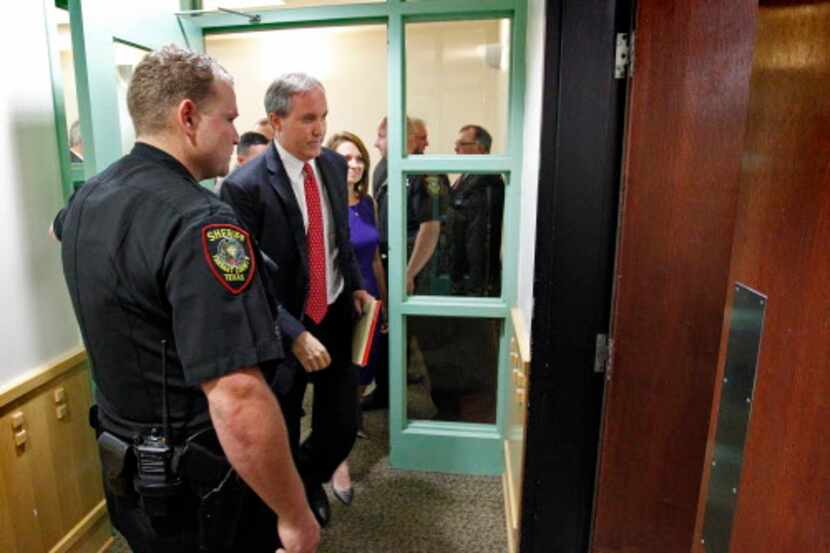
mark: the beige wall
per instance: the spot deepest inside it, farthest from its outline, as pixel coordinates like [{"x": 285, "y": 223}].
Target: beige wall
[
  {"x": 70, "y": 95},
  {"x": 457, "y": 74},
  {"x": 453, "y": 77},
  {"x": 534, "y": 88},
  {"x": 38, "y": 323},
  {"x": 349, "y": 61}
]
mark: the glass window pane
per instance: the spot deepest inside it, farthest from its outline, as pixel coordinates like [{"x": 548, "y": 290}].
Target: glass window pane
[
  {"x": 452, "y": 368},
  {"x": 126, "y": 58},
  {"x": 454, "y": 234},
  {"x": 248, "y": 5},
  {"x": 350, "y": 61},
  {"x": 457, "y": 74},
  {"x": 70, "y": 94}
]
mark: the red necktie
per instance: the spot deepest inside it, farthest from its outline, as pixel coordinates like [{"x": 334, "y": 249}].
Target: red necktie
[{"x": 317, "y": 302}]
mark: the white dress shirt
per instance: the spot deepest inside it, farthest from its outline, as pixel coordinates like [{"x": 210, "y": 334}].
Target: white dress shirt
[{"x": 294, "y": 169}]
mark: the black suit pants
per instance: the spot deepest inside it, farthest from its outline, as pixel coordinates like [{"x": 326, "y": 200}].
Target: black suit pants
[{"x": 334, "y": 415}]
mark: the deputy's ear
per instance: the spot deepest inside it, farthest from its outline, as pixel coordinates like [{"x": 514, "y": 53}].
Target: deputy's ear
[{"x": 187, "y": 117}]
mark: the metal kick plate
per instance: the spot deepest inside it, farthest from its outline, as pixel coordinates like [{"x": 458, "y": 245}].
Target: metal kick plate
[{"x": 745, "y": 328}]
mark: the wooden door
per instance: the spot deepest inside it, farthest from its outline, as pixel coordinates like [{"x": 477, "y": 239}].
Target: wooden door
[
  {"x": 686, "y": 117},
  {"x": 781, "y": 250}
]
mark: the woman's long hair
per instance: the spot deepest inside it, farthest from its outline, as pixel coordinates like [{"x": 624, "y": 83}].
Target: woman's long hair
[{"x": 361, "y": 186}]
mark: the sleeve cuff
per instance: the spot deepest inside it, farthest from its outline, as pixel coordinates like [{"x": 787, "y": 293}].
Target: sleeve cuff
[
  {"x": 289, "y": 326},
  {"x": 209, "y": 369}
]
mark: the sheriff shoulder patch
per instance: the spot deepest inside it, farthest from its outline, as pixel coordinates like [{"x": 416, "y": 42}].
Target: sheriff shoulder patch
[{"x": 229, "y": 255}]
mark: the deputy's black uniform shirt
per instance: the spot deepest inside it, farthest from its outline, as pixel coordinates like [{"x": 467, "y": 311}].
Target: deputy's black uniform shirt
[
  {"x": 419, "y": 208},
  {"x": 150, "y": 255}
]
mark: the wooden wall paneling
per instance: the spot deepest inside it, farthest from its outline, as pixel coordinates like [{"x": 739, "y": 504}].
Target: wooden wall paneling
[
  {"x": 686, "y": 118},
  {"x": 40, "y": 417},
  {"x": 53, "y": 483},
  {"x": 41, "y": 376},
  {"x": 74, "y": 450},
  {"x": 514, "y": 443},
  {"x": 88, "y": 464},
  {"x": 7, "y": 539},
  {"x": 99, "y": 539},
  {"x": 66, "y": 448},
  {"x": 16, "y": 471},
  {"x": 90, "y": 535},
  {"x": 781, "y": 249}
]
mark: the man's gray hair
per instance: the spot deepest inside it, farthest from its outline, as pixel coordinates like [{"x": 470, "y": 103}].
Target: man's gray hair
[
  {"x": 75, "y": 134},
  {"x": 278, "y": 97}
]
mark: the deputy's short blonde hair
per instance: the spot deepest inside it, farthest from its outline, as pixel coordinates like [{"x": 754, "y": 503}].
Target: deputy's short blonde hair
[{"x": 163, "y": 79}]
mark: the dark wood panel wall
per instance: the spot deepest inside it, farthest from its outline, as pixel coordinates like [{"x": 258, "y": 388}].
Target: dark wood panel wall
[
  {"x": 686, "y": 121},
  {"x": 782, "y": 248}
]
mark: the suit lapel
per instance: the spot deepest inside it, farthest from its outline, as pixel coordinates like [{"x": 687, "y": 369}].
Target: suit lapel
[{"x": 282, "y": 185}]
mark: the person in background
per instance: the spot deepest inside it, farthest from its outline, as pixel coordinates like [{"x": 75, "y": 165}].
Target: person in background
[
  {"x": 461, "y": 359},
  {"x": 365, "y": 238},
  {"x": 76, "y": 143},
  {"x": 474, "y": 222},
  {"x": 251, "y": 144},
  {"x": 263, "y": 127},
  {"x": 76, "y": 155},
  {"x": 431, "y": 194},
  {"x": 418, "y": 136},
  {"x": 422, "y": 224},
  {"x": 293, "y": 201},
  {"x": 423, "y": 231}
]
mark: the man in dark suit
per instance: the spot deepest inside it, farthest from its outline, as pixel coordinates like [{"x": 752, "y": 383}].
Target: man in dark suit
[
  {"x": 462, "y": 360},
  {"x": 292, "y": 199},
  {"x": 474, "y": 222}
]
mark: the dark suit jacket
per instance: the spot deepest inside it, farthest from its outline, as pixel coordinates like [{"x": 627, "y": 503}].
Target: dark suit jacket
[
  {"x": 260, "y": 193},
  {"x": 474, "y": 228}
]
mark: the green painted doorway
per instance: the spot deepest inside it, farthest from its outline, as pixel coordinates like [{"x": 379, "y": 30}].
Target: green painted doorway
[{"x": 463, "y": 332}]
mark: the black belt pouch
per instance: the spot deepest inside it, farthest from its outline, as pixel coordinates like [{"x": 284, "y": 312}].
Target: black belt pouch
[{"x": 115, "y": 454}]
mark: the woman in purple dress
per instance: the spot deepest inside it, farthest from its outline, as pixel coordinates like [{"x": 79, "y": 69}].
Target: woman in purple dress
[{"x": 365, "y": 238}]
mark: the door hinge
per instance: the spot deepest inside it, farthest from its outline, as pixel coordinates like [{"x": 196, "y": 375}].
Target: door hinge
[
  {"x": 602, "y": 353},
  {"x": 624, "y": 56}
]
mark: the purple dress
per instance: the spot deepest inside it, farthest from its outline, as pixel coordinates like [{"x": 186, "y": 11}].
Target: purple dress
[{"x": 365, "y": 237}]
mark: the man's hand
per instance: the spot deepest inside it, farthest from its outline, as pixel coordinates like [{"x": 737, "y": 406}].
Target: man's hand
[
  {"x": 361, "y": 299},
  {"x": 301, "y": 536},
  {"x": 422, "y": 250},
  {"x": 312, "y": 354},
  {"x": 52, "y": 233}
]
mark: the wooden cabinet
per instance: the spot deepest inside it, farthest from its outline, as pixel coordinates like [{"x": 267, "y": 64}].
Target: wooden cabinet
[
  {"x": 50, "y": 475},
  {"x": 514, "y": 443}
]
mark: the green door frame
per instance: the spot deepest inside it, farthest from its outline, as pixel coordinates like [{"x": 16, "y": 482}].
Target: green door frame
[
  {"x": 417, "y": 445},
  {"x": 95, "y": 26},
  {"x": 68, "y": 172}
]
